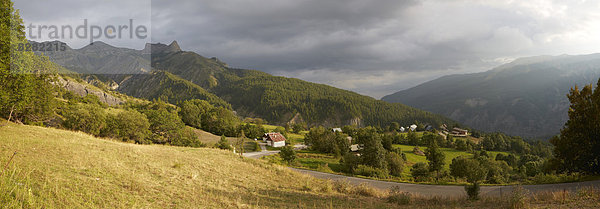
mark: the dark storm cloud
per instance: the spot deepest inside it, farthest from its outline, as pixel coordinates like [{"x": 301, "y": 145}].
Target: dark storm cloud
[{"x": 372, "y": 47}]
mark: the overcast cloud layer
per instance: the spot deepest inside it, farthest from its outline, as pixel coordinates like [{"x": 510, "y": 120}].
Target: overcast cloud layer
[{"x": 371, "y": 47}]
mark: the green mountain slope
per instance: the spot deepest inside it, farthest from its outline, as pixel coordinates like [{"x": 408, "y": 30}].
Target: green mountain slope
[
  {"x": 279, "y": 100},
  {"x": 164, "y": 85},
  {"x": 181, "y": 75},
  {"x": 526, "y": 97}
]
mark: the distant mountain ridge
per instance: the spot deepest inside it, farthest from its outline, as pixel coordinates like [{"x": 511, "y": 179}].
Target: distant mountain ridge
[
  {"x": 178, "y": 75},
  {"x": 526, "y": 97}
]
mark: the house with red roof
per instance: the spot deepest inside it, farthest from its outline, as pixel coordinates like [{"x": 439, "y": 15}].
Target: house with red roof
[{"x": 274, "y": 139}]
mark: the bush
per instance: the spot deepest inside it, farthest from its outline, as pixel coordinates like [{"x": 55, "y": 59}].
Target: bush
[
  {"x": 256, "y": 147},
  {"x": 349, "y": 162},
  {"x": 342, "y": 187},
  {"x": 288, "y": 154},
  {"x": 398, "y": 197},
  {"x": 419, "y": 171},
  {"x": 224, "y": 144},
  {"x": 472, "y": 191},
  {"x": 187, "y": 138},
  {"x": 90, "y": 119},
  {"x": 129, "y": 125},
  {"x": 364, "y": 190},
  {"x": 395, "y": 164},
  {"x": 365, "y": 170},
  {"x": 518, "y": 198}
]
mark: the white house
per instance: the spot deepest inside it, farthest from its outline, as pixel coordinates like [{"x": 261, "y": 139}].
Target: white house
[
  {"x": 336, "y": 130},
  {"x": 402, "y": 129},
  {"x": 413, "y": 127},
  {"x": 274, "y": 139}
]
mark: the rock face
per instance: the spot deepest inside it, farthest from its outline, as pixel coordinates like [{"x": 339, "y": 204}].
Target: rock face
[
  {"x": 83, "y": 90},
  {"x": 161, "y": 48}
]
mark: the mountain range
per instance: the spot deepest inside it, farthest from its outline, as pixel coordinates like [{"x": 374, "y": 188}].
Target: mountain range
[
  {"x": 526, "y": 97},
  {"x": 176, "y": 75}
]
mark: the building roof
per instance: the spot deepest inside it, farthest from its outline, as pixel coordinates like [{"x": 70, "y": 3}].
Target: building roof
[
  {"x": 275, "y": 137},
  {"x": 336, "y": 129},
  {"x": 461, "y": 130}
]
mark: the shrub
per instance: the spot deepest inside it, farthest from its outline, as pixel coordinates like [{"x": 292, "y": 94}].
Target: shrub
[
  {"x": 129, "y": 125},
  {"x": 398, "y": 197},
  {"x": 364, "y": 190},
  {"x": 224, "y": 144},
  {"x": 186, "y": 138},
  {"x": 256, "y": 147},
  {"x": 518, "y": 197},
  {"x": 349, "y": 162},
  {"x": 288, "y": 154},
  {"x": 87, "y": 118},
  {"x": 419, "y": 171},
  {"x": 324, "y": 168},
  {"x": 164, "y": 124},
  {"x": 342, "y": 187},
  {"x": 395, "y": 164},
  {"x": 472, "y": 191},
  {"x": 365, "y": 170}
]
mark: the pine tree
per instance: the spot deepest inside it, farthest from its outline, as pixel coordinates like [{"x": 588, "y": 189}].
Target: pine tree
[
  {"x": 436, "y": 158},
  {"x": 26, "y": 93},
  {"x": 577, "y": 147}
]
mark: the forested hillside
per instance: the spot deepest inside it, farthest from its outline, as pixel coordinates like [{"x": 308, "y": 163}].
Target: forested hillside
[
  {"x": 181, "y": 75},
  {"x": 525, "y": 97}
]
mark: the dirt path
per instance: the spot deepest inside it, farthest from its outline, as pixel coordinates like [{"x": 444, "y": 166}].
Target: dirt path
[{"x": 450, "y": 191}]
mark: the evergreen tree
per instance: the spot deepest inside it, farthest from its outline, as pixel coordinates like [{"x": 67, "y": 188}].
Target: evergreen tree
[
  {"x": 26, "y": 92},
  {"x": 577, "y": 147},
  {"x": 373, "y": 153},
  {"x": 436, "y": 158}
]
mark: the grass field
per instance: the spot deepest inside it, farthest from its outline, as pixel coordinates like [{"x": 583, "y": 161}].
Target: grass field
[
  {"x": 328, "y": 163},
  {"x": 62, "y": 169}
]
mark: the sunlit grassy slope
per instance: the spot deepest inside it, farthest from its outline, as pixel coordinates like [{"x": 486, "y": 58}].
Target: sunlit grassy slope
[{"x": 61, "y": 169}]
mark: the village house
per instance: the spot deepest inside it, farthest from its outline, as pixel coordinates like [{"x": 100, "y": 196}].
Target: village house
[
  {"x": 459, "y": 132},
  {"x": 413, "y": 127},
  {"x": 274, "y": 139},
  {"x": 336, "y": 130}
]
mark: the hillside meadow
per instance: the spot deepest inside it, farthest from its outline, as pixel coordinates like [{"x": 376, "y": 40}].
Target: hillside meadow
[{"x": 61, "y": 169}]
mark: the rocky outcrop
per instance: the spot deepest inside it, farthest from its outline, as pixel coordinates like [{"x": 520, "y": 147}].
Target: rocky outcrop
[
  {"x": 83, "y": 90},
  {"x": 161, "y": 48}
]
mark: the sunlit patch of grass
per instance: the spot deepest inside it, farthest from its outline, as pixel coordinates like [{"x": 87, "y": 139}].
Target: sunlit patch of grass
[{"x": 63, "y": 169}]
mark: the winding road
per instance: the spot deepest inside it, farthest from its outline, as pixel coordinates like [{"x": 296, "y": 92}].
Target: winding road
[
  {"x": 450, "y": 191},
  {"x": 434, "y": 190}
]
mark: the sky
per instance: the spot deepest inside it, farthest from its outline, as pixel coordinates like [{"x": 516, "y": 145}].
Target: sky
[{"x": 371, "y": 47}]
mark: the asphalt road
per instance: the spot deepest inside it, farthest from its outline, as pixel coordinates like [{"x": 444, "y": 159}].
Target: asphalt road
[
  {"x": 435, "y": 190},
  {"x": 450, "y": 191}
]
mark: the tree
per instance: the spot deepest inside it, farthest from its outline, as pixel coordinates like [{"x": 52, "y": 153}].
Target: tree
[
  {"x": 288, "y": 154},
  {"x": 395, "y": 164},
  {"x": 26, "y": 89},
  {"x": 472, "y": 170},
  {"x": 413, "y": 139},
  {"x": 90, "y": 119},
  {"x": 395, "y": 126},
  {"x": 164, "y": 123},
  {"x": 128, "y": 125},
  {"x": 577, "y": 147},
  {"x": 192, "y": 112},
  {"x": 436, "y": 158},
  {"x": 419, "y": 171},
  {"x": 349, "y": 162},
  {"x": 223, "y": 143},
  {"x": 373, "y": 153}
]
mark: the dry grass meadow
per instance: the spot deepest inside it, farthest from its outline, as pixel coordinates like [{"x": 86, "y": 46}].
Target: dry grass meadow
[{"x": 61, "y": 169}]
